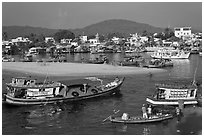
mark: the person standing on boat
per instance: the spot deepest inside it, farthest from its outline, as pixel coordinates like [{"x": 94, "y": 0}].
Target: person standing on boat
[
  {"x": 178, "y": 111},
  {"x": 144, "y": 111},
  {"x": 149, "y": 110}
]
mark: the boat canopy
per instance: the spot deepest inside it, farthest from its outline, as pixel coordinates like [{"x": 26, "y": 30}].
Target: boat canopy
[
  {"x": 175, "y": 86},
  {"x": 24, "y": 82},
  {"x": 79, "y": 82}
]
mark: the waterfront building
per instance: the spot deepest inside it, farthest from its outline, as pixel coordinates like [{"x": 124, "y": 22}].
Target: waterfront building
[
  {"x": 20, "y": 39},
  {"x": 74, "y": 44},
  {"x": 116, "y": 40},
  {"x": 143, "y": 39},
  {"x": 94, "y": 41},
  {"x": 84, "y": 39},
  {"x": 182, "y": 32},
  {"x": 65, "y": 41},
  {"x": 49, "y": 39}
]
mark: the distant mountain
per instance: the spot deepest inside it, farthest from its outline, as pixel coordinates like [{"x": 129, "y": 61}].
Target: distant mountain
[
  {"x": 116, "y": 25},
  {"x": 15, "y": 31},
  {"x": 109, "y": 26}
]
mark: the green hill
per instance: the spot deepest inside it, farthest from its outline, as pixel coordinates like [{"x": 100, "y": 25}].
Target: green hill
[{"x": 109, "y": 26}]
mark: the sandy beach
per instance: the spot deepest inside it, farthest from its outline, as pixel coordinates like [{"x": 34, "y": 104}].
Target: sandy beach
[{"x": 74, "y": 69}]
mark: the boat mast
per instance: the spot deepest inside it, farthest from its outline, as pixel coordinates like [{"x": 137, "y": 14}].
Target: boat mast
[{"x": 194, "y": 77}]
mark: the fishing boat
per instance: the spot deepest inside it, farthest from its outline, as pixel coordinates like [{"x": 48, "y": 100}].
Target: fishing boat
[
  {"x": 132, "y": 60},
  {"x": 156, "y": 48},
  {"x": 140, "y": 119},
  {"x": 26, "y": 91},
  {"x": 100, "y": 59},
  {"x": 8, "y": 59},
  {"x": 171, "y": 54},
  {"x": 158, "y": 63},
  {"x": 168, "y": 94}
]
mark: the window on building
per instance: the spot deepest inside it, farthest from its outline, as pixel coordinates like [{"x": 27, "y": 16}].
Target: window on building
[{"x": 186, "y": 28}]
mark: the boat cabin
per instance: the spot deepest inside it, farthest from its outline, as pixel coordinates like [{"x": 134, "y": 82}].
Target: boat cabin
[
  {"x": 175, "y": 93},
  {"x": 20, "y": 81},
  {"x": 26, "y": 88}
]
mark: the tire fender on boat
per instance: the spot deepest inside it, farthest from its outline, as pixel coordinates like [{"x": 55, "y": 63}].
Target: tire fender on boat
[
  {"x": 75, "y": 94},
  {"x": 95, "y": 91}
]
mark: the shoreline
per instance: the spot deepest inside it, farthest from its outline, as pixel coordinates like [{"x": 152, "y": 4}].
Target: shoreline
[{"x": 74, "y": 69}]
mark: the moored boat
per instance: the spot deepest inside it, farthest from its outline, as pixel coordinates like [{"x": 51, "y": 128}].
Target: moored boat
[
  {"x": 100, "y": 59},
  {"x": 173, "y": 94},
  {"x": 140, "y": 119},
  {"x": 156, "y": 48},
  {"x": 134, "y": 60},
  {"x": 158, "y": 63},
  {"x": 171, "y": 54},
  {"x": 26, "y": 91}
]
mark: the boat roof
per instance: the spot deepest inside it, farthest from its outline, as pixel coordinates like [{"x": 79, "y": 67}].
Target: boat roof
[
  {"x": 37, "y": 85},
  {"x": 78, "y": 82},
  {"x": 175, "y": 86}
]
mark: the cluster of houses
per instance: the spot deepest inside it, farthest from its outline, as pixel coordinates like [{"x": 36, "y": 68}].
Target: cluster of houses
[{"x": 133, "y": 43}]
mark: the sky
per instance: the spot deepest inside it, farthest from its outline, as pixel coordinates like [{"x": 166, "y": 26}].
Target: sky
[{"x": 70, "y": 15}]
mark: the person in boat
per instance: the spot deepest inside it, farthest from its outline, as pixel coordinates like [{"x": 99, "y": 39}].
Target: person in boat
[
  {"x": 144, "y": 111},
  {"x": 149, "y": 111},
  {"x": 117, "y": 79},
  {"x": 178, "y": 112},
  {"x": 125, "y": 116}
]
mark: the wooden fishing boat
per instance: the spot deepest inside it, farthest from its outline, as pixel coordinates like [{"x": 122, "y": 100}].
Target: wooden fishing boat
[
  {"x": 167, "y": 94},
  {"x": 158, "y": 63},
  {"x": 100, "y": 59},
  {"x": 134, "y": 60},
  {"x": 25, "y": 91},
  {"x": 140, "y": 119}
]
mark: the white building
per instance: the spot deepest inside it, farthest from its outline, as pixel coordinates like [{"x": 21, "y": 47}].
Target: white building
[
  {"x": 94, "y": 41},
  {"x": 182, "y": 31},
  {"x": 49, "y": 39},
  {"x": 84, "y": 39},
  {"x": 116, "y": 40},
  {"x": 20, "y": 39},
  {"x": 143, "y": 38},
  {"x": 74, "y": 44},
  {"x": 63, "y": 41}
]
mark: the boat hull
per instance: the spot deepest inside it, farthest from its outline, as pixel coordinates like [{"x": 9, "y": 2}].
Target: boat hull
[
  {"x": 171, "y": 102},
  {"x": 19, "y": 101},
  {"x": 141, "y": 120}
]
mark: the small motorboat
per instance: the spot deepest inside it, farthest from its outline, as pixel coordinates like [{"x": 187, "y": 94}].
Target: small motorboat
[{"x": 139, "y": 119}]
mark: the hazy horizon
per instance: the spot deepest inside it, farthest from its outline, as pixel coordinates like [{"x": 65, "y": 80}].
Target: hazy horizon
[{"x": 73, "y": 15}]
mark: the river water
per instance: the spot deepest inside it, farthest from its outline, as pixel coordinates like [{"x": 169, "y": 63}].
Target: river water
[{"x": 85, "y": 117}]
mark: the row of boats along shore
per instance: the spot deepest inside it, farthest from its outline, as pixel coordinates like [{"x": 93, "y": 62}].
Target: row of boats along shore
[
  {"x": 159, "y": 59},
  {"x": 25, "y": 91}
]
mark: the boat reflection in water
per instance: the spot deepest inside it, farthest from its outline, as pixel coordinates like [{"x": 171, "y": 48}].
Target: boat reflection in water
[{"x": 146, "y": 131}]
